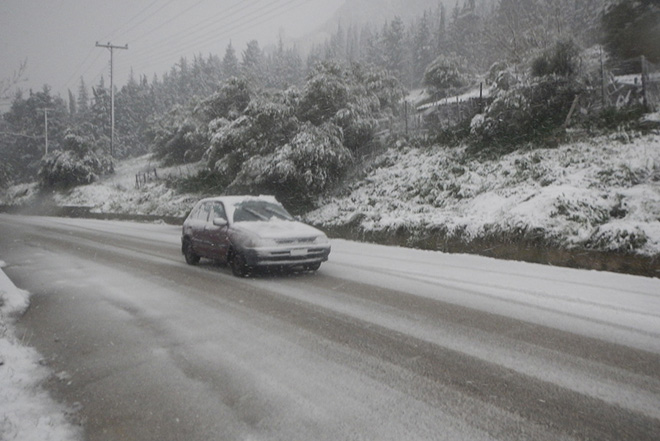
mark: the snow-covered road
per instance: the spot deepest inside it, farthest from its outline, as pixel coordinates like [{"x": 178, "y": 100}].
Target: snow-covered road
[{"x": 382, "y": 343}]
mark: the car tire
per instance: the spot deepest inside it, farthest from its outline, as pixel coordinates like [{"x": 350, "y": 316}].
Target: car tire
[
  {"x": 191, "y": 257},
  {"x": 239, "y": 266},
  {"x": 312, "y": 266}
]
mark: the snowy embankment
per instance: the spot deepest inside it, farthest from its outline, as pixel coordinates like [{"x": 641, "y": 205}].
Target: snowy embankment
[
  {"x": 602, "y": 195},
  {"x": 118, "y": 193},
  {"x": 27, "y": 412}
]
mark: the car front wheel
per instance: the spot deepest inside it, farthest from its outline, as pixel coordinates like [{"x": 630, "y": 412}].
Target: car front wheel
[
  {"x": 239, "y": 265},
  {"x": 312, "y": 266},
  {"x": 191, "y": 257}
]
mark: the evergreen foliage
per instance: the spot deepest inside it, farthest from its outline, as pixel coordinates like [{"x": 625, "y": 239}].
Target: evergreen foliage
[
  {"x": 270, "y": 103},
  {"x": 76, "y": 164},
  {"x": 632, "y": 28}
]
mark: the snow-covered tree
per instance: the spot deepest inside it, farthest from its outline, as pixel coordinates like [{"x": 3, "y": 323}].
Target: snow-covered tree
[
  {"x": 253, "y": 64},
  {"x": 76, "y": 164},
  {"x": 446, "y": 73},
  {"x": 302, "y": 169},
  {"x": 230, "y": 66},
  {"x": 632, "y": 28}
]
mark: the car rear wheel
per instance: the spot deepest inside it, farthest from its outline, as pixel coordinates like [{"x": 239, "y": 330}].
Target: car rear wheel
[
  {"x": 239, "y": 265},
  {"x": 191, "y": 257}
]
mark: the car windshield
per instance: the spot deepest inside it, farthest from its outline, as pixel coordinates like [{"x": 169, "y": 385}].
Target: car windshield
[{"x": 252, "y": 211}]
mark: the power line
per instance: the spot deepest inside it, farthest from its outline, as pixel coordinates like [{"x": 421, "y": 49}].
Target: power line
[
  {"x": 176, "y": 17},
  {"x": 263, "y": 17},
  {"x": 111, "y": 34},
  {"x": 80, "y": 72},
  {"x": 198, "y": 27},
  {"x": 79, "y": 68}
]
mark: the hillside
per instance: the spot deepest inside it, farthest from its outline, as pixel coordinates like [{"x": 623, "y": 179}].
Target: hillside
[{"x": 599, "y": 195}]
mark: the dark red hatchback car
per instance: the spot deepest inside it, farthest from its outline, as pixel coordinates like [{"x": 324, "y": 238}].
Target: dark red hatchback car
[{"x": 248, "y": 232}]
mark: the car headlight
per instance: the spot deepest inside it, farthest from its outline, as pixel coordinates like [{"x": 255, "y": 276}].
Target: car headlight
[
  {"x": 258, "y": 242},
  {"x": 321, "y": 240}
]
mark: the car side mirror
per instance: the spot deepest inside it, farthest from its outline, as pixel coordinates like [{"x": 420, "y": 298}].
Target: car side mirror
[{"x": 220, "y": 222}]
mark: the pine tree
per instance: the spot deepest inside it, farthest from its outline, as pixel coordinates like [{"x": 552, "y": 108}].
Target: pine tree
[
  {"x": 230, "y": 67},
  {"x": 394, "y": 49},
  {"x": 83, "y": 98},
  {"x": 253, "y": 65},
  {"x": 72, "y": 104}
]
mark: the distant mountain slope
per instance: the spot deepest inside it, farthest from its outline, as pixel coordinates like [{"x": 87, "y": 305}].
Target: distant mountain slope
[{"x": 377, "y": 11}]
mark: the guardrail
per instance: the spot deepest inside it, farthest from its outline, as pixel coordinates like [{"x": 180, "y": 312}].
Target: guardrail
[{"x": 86, "y": 212}]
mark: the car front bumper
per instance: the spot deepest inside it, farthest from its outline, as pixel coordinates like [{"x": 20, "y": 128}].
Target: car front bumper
[{"x": 286, "y": 256}]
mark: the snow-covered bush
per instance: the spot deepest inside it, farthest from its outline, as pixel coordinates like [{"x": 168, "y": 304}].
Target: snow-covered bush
[
  {"x": 229, "y": 102},
  {"x": 528, "y": 111},
  {"x": 563, "y": 60},
  {"x": 301, "y": 170},
  {"x": 327, "y": 91},
  {"x": 351, "y": 98},
  {"x": 265, "y": 126},
  {"x": 76, "y": 164},
  {"x": 181, "y": 144},
  {"x": 446, "y": 73}
]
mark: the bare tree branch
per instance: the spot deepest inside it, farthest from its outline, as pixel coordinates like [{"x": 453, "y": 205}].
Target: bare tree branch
[{"x": 6, "y": 85}]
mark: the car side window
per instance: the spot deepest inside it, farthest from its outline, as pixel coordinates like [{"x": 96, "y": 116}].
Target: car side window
[
  {"x": 203, "y": 213},
  {"x": 218, "y": 211}
]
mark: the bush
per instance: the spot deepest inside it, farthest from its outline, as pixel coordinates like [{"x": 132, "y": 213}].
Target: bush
[
  {"x": 562, "y": 60},
  {"x": 301, "y": 170},
  {"x": 204, "y": 182},
  {"x": 229, "y": 102},
  {"x": 180, "y": 144},
  {"x": 76, "y": 164},
  {"x": 446, "y": 73},
  {"x": 526, "y": 112}
]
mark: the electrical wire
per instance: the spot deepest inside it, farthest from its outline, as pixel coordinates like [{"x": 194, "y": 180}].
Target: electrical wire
[
  {"x": 112, "y": 33},
  {"x": 238, "y": 27},
  {"x": 201, "y": 26}
]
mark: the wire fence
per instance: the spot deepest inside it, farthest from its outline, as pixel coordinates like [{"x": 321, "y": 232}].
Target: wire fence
[{"x": 633, "y": 82}]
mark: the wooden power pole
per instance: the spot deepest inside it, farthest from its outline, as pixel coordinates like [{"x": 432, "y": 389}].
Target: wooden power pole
[
  {"x": 112, "y": 94},
  {"x": 45, "y": 110}
]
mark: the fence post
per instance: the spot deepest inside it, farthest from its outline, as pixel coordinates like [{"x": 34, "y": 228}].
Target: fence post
[{"x": 645, "y": 101}]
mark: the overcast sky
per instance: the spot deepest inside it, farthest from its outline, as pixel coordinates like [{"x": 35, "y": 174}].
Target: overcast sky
[{"x": 57, "y": 37}]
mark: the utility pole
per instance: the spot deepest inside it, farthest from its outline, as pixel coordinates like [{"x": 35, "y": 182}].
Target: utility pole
[
  {"x": 112, "y": 94},
  {"x": 45, "y": 110}
]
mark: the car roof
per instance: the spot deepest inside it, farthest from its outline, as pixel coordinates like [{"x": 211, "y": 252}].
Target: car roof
[
  {"x": 230, "y": 202},
  {"x": 233, "y": 200}
]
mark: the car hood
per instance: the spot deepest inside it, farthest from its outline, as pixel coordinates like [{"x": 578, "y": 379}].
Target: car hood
[{"x": 277, "y": 229}]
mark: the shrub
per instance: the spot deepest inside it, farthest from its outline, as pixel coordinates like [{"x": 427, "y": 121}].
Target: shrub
[
  {"x": 527, "y": 112},
  {"x": 229, "y": 102},
  {"x": 180, "y": 144},
  {"x": 301, "y": 170},
  {"x": 446, "y": 73},
  {"x": 76, "y": 164},
  {"x": 562, "y": 60}
]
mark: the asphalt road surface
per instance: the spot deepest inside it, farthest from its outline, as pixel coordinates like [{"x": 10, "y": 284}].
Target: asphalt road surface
[{"x": 380, "y": 344}]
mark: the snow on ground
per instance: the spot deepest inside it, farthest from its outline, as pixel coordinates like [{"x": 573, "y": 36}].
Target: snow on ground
[
  {"x": 117, "y": 193},
  {"x": 602, "y": 194},
  {"x": 27, "y": 412}
]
